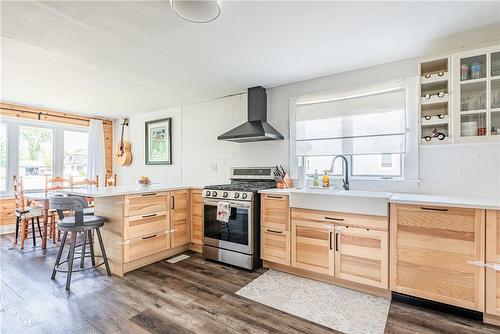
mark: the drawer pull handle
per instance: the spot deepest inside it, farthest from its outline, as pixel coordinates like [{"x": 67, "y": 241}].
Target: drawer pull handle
[
  {"x": 277, "y": 197},
  {"x": 335, "y": 219},
  {"x": 273, "y": 231},
  {"x": 148, "y": 216},
  {"x": 336, "y": 241},
  {"x": 173, "y": 202},
  {"x": 148, "y": 194},
  {"x": 480, "y": 264},
  {"x": 330, "y": 240},
  {"x": 151, "y": 236},
  {"x": 433, "y": 209}
]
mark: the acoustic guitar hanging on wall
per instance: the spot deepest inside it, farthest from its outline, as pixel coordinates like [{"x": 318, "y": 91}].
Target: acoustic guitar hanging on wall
[{"x": 123, "y": 156}]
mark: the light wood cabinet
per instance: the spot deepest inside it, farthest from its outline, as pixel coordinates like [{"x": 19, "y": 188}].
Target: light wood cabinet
[
  {"x": 362, "y": 256},
  {"x": 144, "y": 228},
  {"x": 143, "y": 225},
  {"x": 312, "y": 244},
  {"x": 434, "y": 251},
  {"x": 179, "y": 206},
  {"x": 196, "y": 217},
  {"x": 144, "y": 246},
  {"x": 493, "y": 262},
  {"x": 143, "y": 204},
  {"x": 275, "y": 245},
  {"x": 342, "y": 218},
  {"x": 275, "y": 212}
]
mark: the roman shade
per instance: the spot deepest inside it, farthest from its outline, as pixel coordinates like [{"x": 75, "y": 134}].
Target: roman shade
[{"x": 369, "y": 120}]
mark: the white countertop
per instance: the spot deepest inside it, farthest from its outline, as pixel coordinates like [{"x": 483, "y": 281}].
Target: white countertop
[
  {"x": 492, "y": 203},
  {"x": 329, "y": 192},
  {"x": 123, "y": 190}
]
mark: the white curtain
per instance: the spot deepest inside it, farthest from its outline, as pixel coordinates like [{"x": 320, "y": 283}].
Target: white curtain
[
  {"x": 96, "y": 159},
  {"x": 372, "y": 121}
]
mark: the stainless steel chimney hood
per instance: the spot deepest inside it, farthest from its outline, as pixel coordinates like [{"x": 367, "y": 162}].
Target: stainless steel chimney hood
[{"x": 256, "y": 128}]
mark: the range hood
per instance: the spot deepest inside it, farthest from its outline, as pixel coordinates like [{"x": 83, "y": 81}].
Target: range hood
[{"x": 256, "y": 128}]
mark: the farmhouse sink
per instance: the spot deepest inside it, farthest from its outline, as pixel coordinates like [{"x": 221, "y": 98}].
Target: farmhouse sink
[{"x": 351, "y": 201}]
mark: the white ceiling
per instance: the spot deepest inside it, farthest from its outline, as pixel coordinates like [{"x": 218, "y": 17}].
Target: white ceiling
[{"x": 120, "y": 58}]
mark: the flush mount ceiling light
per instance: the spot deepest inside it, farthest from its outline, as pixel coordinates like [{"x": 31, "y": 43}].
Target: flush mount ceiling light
[{"x": 197, "y": 11}]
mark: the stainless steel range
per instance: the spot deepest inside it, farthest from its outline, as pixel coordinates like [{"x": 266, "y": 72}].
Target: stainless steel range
[{"x": 237, "y": 241}]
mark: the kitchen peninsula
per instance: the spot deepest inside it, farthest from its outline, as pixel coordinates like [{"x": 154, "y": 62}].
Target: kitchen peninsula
[{"x": 144, "y": 223}]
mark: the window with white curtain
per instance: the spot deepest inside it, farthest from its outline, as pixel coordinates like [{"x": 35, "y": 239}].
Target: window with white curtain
[
  {"x": 368, "y": 125},
  {"x": 34, "y": 149}
]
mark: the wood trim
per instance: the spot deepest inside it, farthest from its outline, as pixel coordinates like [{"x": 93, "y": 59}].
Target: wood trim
[
  {"x": 385, "y": 293},
  {"x": 491, "y": 319},
  {"x": 7, "y": 211},
  {"x": 36, "y": 113}
]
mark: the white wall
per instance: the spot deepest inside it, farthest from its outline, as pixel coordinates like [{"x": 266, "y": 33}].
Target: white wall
[
  {"x": 135, "y": 134},
  {"x": 200, "y": 159},
  {"x": 207, "y": 160}
]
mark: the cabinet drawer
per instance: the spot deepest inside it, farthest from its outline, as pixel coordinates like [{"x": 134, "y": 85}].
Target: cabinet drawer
[
  {"x": 342, "y": 219},
  {"x": 275, "y": 245},
  {"x": 146, "y": 203},
  {"x": 145, "y": 246},
  {"x": 275, "y": 211},
  {"x": 144, "y": 225}
]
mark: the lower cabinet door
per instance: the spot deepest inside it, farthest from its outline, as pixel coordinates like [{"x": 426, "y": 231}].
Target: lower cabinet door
[
  {"x": 437, "y": 254},
  {"x": 145, "y": 246},
  {"x": 275, "y": 245},
  {"x": 493, "y": 262},
  {"x": 179, "y": 217},
  {"x": 493, "y": 291},
  {"x": 312, "y": 246},
  {"x": 361, "y": 256}
]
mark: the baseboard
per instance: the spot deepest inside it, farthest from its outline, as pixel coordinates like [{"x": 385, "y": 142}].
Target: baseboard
[
  {"x": 6, "y": 229},
  {"x": 436, "y": 306},
  {"x": 492, "y": 319}
]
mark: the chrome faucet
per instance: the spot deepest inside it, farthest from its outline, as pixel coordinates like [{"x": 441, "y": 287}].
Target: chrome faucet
[{"x": 346, "y": 163}]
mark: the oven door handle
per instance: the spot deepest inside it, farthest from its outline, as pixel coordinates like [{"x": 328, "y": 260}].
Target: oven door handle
[{"x": 232, "y": 203}]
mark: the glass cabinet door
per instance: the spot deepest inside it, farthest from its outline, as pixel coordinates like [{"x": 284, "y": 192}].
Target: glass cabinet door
[
  {"x": 495, "y": 93},
  {"x": 477, "y": 93}
]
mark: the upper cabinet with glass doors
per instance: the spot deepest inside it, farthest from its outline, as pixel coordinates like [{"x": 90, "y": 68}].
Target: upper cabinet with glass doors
[{"x": 476, "y": 102}]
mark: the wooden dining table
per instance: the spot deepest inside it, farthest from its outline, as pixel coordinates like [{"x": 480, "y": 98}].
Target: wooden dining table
[{"x": 42, "y": 198}]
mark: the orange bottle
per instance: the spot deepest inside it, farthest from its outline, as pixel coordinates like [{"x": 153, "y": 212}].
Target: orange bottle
[{"x": 326, "y": 180}]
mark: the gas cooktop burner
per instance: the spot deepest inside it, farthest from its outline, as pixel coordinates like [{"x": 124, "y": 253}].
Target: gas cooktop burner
[{"x": 244, "y": 186}]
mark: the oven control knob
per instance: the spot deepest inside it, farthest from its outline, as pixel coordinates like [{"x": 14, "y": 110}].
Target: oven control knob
[
  {"x": 225, "y": 194},
  {"x": 244, "y": 196},
  {"x": 207, "y": 193},
  {"x": 214, "y": 193},
  {"x": 236, "y": 195}
]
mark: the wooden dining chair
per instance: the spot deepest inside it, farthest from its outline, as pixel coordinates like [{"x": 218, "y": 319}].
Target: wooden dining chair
[
  {"x": 110, "y": 180},
  {"x": 25, "y": 213},
  {"x": 55, "y": 183},
  {"x": 86, "y": 182}
]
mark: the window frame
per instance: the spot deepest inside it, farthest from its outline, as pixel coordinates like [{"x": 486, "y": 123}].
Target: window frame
[
  {"x": 13, "y": 129},
  {"x": 409, "y": 160}
]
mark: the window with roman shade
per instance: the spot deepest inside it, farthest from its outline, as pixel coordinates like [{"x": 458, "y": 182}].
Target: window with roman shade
[{"x": 365, "y": 121}]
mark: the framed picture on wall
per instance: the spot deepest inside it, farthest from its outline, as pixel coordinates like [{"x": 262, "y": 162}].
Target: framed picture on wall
[{"x": 159, "y": 142}]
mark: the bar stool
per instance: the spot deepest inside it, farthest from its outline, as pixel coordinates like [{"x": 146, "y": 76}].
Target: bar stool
[{"x": 79, "y": 223}]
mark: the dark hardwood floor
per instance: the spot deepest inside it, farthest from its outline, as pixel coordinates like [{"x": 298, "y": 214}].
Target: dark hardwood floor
[{"x": 191, "y": 296}]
